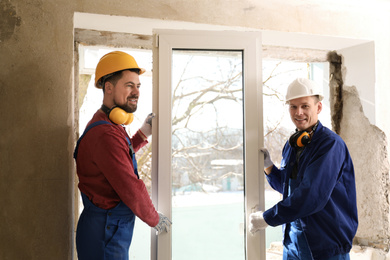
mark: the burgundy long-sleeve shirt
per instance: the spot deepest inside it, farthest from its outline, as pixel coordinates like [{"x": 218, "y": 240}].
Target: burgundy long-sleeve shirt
[{"x": 106, "y": 171}]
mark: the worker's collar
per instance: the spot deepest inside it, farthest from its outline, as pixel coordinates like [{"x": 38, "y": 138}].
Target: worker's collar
[{"x": 312, "y": 129}]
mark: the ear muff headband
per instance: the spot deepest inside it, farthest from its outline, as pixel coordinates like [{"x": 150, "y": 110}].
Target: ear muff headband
[{"x": 118, "y": 116}]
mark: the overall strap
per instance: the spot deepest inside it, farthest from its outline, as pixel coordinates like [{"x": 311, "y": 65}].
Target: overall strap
[
  {"x": 132, "y": 154},
  {"x": 101, "y": 122}
]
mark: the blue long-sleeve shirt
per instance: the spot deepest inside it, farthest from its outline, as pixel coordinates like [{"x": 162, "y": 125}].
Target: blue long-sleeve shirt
[{"x": 325, "y": 199}]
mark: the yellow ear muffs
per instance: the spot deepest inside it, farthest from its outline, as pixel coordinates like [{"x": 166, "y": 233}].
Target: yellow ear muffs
[
  {"x": 303, "y": 139},
  {"x": 121, "y": 117},
  {"x": 118, "y": 116},
  {"x": 300, "y": 139}
]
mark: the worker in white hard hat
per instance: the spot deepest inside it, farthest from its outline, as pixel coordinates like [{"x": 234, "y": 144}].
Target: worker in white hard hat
[
  {"x": 317, "y": 180},
  {"x": 112, "y": 193}
]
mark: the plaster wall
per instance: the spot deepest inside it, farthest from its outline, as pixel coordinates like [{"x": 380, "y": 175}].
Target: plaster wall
[
  {"x": 367, "y": 145},
  {"x": 36, "y": 95}
]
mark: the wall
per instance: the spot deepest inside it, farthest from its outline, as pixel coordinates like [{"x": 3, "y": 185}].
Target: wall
[
  {"x": 369, "y": 143},
  {"x": 360, "y": 60},
  {"x": 36, "y": 94},
  {"x": 366, "y": 142},
  {"x": 36, "y": 57}
]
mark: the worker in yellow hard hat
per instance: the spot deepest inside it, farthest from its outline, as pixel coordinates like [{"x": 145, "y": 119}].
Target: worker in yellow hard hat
[
  {"x": 112, "y": 193},
  {"x": 317, "y": 180}
]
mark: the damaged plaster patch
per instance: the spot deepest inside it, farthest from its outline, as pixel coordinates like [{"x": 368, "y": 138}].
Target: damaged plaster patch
[
  {"x": 113, "y": 39},
  {"x": 336, "y": 83},
  {"x": 368, "y": 147},
  {"x": 8, "y": 20}
]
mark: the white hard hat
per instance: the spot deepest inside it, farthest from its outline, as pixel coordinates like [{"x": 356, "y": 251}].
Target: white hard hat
[{"x": 302, "y": 87}]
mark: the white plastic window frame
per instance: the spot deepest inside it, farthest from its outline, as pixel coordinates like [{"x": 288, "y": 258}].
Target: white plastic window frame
[{"x": 250, "y": 44}]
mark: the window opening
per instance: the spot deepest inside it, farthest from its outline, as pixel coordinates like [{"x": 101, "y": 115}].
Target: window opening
[{"x": 224, "y": 172}]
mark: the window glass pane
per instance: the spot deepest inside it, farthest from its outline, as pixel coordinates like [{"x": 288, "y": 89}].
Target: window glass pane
[{"x": 207, "y": 155}]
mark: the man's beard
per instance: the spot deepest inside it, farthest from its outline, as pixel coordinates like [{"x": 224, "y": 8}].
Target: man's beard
[{"x": 127, "y": 108}]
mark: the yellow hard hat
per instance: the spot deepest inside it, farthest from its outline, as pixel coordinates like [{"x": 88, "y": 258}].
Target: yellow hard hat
[
  {"x": 302, "y": 87},
  {"x": 113, "y": 62}
]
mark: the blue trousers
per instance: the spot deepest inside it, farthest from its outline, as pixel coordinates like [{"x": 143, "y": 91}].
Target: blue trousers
[
  {"x": 295, "y": 242},
  {"x": 104, "y": 234},
  {"x": 296, "y": 246}
]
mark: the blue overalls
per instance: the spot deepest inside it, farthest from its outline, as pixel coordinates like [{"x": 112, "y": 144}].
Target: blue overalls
[{"x": 104, "y": 234}]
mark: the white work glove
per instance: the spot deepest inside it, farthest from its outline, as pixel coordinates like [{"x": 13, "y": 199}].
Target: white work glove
[
  {"x": 257, "y": 222},
  {"x": 267, "y": 158},
  {"x": 146, "y": 128},
  {"x": 164, "y": 224}
]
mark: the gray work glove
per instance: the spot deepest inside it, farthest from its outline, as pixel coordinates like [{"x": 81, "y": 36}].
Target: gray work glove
[
  {"x": 257, "y": 222},
  {"x": 146, "y": 128},
  {"x": 267, "y": 158},
  {"x": 164, "y": 224}
]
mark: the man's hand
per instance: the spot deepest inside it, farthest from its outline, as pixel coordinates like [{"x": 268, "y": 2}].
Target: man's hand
[
  {"x": 164, "y": 224},
  {"x": 257, "y": 222},
  {"x": 146, "y": 128},
  {"x": 267, "y": 158}
]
